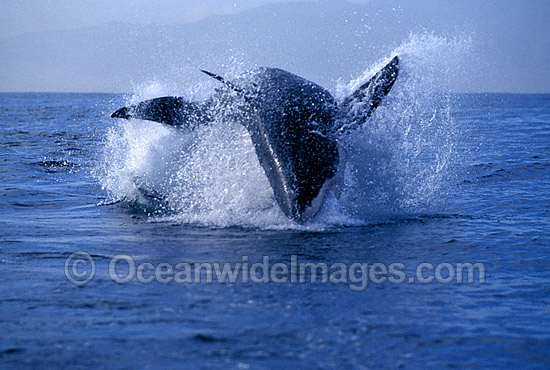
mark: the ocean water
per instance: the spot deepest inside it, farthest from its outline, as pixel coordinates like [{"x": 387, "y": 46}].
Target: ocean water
[{"x": 433, "y": 179}]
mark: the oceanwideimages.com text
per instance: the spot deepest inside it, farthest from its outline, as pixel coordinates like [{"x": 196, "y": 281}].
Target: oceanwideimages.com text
[{"x": 80, "y": 269}]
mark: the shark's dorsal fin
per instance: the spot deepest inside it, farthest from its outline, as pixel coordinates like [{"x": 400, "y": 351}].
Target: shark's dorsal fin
[{"x": 222, "y": 80}]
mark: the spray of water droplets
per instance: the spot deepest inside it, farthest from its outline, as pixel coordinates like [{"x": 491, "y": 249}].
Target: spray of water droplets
[{"x": 397, "y": 164}]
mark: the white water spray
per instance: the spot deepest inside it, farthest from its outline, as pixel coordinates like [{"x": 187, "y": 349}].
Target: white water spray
[{"x": 397, "y": 163}]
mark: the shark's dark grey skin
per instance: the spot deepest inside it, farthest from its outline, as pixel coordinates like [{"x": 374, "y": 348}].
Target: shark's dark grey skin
[{"x": 294, "y": 125}]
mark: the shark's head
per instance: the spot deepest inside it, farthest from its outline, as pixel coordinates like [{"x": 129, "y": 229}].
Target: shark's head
[{"x": 290, "y": 120}]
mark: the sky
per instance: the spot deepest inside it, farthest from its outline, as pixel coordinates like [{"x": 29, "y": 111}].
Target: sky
[
  {"x": 118, "y": 46},
  {"x": 21, "y": 16}
]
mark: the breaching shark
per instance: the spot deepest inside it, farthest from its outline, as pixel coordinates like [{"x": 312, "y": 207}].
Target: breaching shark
[{"x": 295, "y": 126}]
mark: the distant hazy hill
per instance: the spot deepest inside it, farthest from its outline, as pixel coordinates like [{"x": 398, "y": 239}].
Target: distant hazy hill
[{"x": 320, "y": 40}]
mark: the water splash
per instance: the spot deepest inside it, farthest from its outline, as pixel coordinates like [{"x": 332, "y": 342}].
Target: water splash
[{"x": 397, "y": 164}]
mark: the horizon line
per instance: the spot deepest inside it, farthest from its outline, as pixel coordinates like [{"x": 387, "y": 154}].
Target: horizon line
[{"x": 133, "y": 93}]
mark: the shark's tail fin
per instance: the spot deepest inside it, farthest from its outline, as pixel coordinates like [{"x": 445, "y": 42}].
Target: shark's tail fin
[{"x": 360, "y": 105}]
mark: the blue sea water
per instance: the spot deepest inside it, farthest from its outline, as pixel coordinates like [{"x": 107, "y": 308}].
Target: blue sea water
[{"x": 447, "y": 179}]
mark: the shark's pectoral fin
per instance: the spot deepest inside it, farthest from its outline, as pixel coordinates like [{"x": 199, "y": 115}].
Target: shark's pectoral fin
[
  {"x": 360, "y": 105},
  {"x": 170, "y": 110}
]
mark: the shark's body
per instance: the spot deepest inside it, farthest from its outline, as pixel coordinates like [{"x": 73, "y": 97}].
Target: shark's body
[{"x": 294, "y": 125}]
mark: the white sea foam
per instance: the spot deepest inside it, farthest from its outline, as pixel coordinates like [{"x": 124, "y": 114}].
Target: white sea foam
[{"x": 397, "y": 163}]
